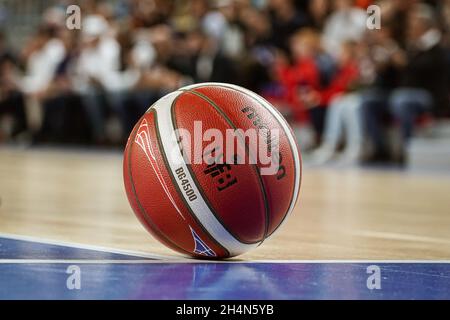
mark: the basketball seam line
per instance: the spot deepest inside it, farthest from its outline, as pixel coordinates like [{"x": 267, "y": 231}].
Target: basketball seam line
[
  {"x": 174, "y": 182},
  {"x": 142, "y": 210},
  {"x": 295, "y": 168},
  {"x": 232, "y": 87},
  {"x": 199, "y": 206},
  {"x": 205, "y": 198},
  {"x": 261, "y": 184}
]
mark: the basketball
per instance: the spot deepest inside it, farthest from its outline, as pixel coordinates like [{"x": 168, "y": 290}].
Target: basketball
[
  {"x": 212, "y": 170},
  {"x": 224, "y": 151}
]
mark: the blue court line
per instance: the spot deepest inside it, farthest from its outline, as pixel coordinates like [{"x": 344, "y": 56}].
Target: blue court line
[
  {"x": 24, "y": 247},
  {"x": 36, "y": 270},
  {"x": 197, "y": 281}
]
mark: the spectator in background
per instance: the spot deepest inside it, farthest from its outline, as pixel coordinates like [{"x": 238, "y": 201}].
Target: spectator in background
[
  {"x": 217, "y": 19},
  {"x": 423, "y": 80},
  {"x": 444, "y": 7},
  {"x": 42, "y": 55},
  {"x": 231, "y": 41},
  {"x": 99, "y": 60},
  {"x": 12, "y": 106},
  {"x": 423, "y": 86},
  {"x": 396, "y": 12},
  {"x": 254, "y": 67},
  {"x": 319, "y": 10},
  {"x": 445, "y": 20},
  {"x": 163, "y": 64},
  {"x": 59, "y": 96},
  {"x": 172, "y": 60},
  {"x": 149, "y": 13},
  {"x": 203, "y": 15},
  {"x": 312, "y": 71},
  {"x": 208, "y": 63},
  {"x": 343, "y": 114},
  {"x": 285, "y": 20},
  {"x": 383, "y": 53},
  {"x": 301, "y": 79},
  {"x": 98, "y": 76},
  {"x": 287, "y": 50},
  {"x": 346, "y": 23}
]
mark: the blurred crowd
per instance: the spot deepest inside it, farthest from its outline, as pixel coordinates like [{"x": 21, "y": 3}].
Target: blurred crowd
[{"x": 340, "y": 84}]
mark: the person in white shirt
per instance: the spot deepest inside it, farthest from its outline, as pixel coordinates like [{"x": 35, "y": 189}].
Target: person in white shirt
[
  {"x": 98, "y": 73},
  {"x": 42, "y": 64},
  {"x": 43, "y": 54},
  {"x": 347, "y": 23}
]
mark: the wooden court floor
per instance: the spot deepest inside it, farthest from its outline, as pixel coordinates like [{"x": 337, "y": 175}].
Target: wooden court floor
[{"x": 77, "y": 196}]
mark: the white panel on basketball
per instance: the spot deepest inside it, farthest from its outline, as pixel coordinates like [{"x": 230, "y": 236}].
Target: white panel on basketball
[
  {"x": 280, "y": 119},
  {"x": 176, "y": 161}
]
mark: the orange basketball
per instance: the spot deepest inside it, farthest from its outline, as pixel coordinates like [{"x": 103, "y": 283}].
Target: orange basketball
[{"x": 196, "y": 174}]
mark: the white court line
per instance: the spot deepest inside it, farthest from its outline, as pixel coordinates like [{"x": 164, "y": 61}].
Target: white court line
[
  {"x": 193, "y": 261},
  {"x": 80, "y": 261},
  {"x": 352, "y": 261},
  {"x": 172, "y": 259},
  {"x": 87, "y": 247}
]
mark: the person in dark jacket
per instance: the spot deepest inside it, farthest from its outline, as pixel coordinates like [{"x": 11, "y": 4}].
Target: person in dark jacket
[
  {"x": 12, "y": 102},
  {"x": 203, "y": 61},
  {"x": 423, "y": 86}
]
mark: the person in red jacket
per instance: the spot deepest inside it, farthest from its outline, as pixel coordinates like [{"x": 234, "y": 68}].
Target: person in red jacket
[
  {"x": 344, "y": 112},
  {"x": 297, "y": 79},
  {"x": 345, "y": 77},
  {"x": 317, "y": 99}
]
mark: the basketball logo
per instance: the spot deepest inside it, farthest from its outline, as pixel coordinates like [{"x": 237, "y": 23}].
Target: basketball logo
[{"x": 212, "y": 170}]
